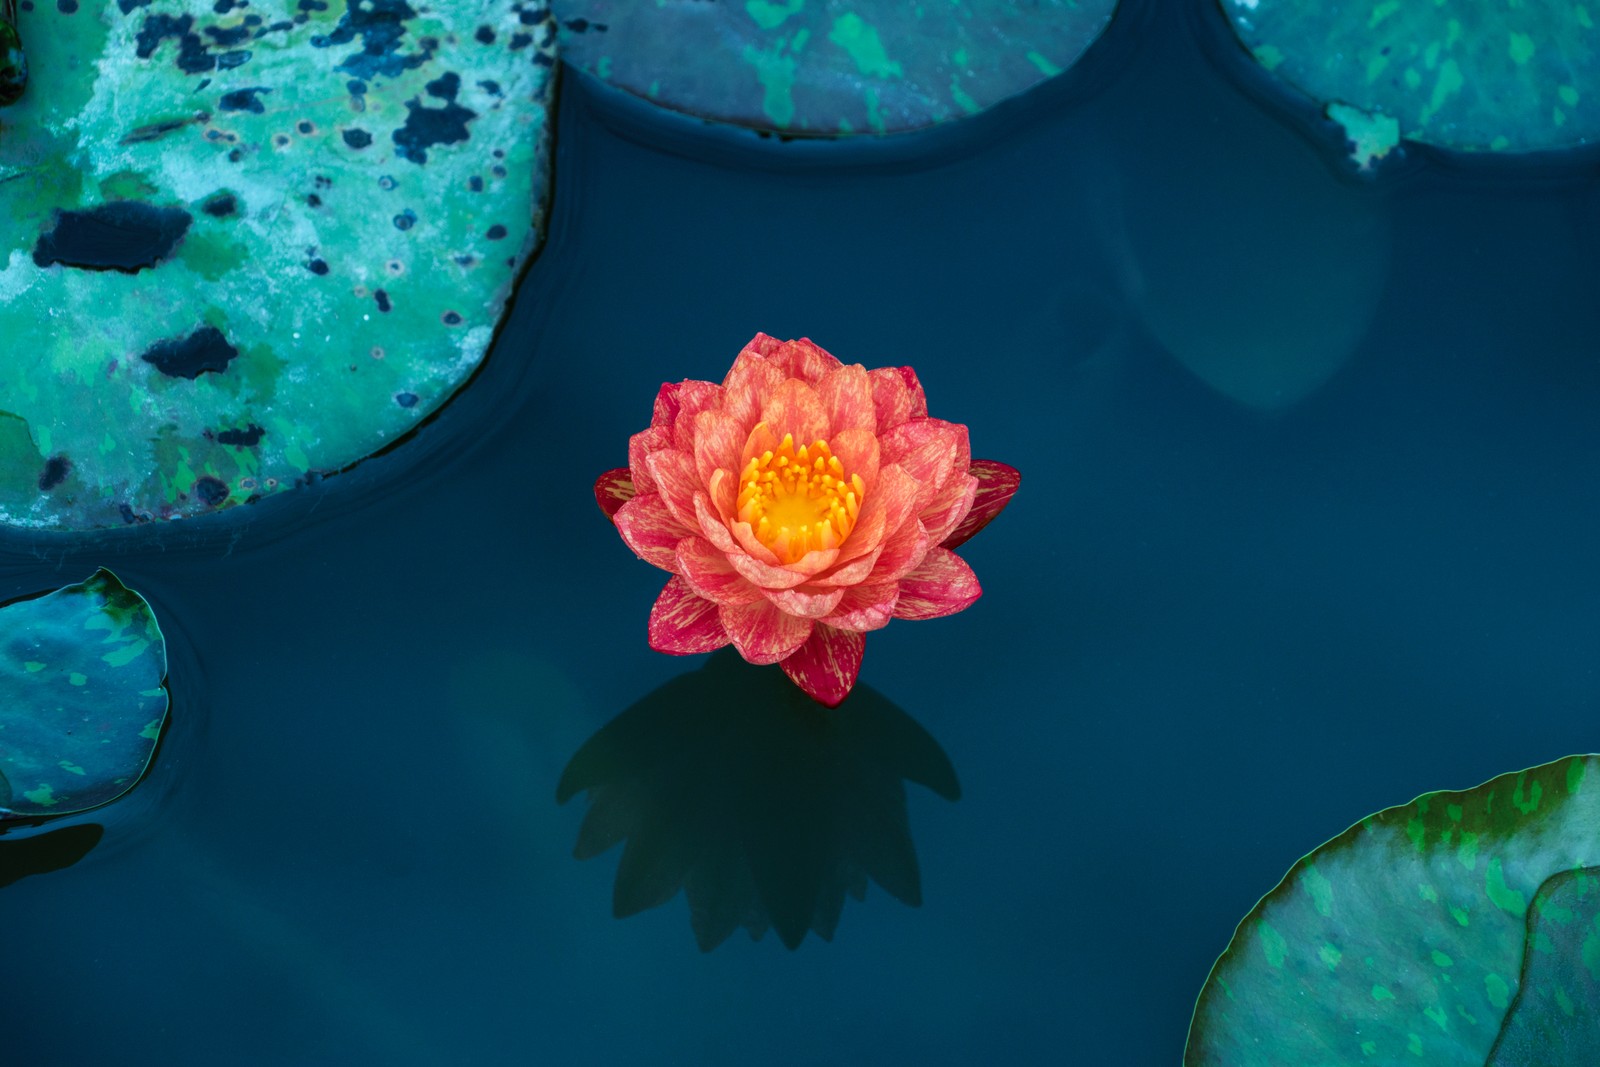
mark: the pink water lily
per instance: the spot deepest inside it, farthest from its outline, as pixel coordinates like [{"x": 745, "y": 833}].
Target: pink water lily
[{"x": 798, "y": 505}]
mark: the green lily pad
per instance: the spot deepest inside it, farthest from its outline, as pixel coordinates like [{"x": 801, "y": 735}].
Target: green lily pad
[
  {"x": 82, "y": 702},
  {"x": 1471, "y": 75},
  {"x": 763, "y": 807},
  {"x": 245, "y": 245},
  {"x": 1462, "y": 928},
  {"x": 827, "y": 67}
]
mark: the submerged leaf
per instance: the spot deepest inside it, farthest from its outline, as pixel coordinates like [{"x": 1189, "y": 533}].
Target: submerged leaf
[
  {"x": 1460, "y": 928},
  {"x": 82, "y": 700}
]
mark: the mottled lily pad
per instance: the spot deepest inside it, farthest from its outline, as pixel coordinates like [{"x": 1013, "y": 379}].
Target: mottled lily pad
[
  {"x": 1472, "y": 75},
  {"x": 731, "y": 784},
  {"x": 827, "y": 67},
  {"x": 1460, "y": 929},
  {"x": 246, "y": 244},
  {"x": 82, "y": 702}
]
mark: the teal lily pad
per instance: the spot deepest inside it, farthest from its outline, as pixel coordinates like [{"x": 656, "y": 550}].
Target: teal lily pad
[
  {"x": 1462, "y": 928},
  {"x": 82, "y": 700},
  {"x": 827, "y": 67},
  {"x": 1471, "y": 75},
  {"x": 763, "y": 807},
  {"x": 246, "y": 245}
]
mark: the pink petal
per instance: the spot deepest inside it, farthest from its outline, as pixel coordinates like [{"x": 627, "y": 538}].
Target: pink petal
[
  {"x": 864, "y": 607},
  {"x": 651, "y": 530},
  {"x": 997, "y": 484},
  {"x": 676, "y": 481},
  {"x": 710, "y": 575},
  {"x": 613, "y": 489},
  {"x": 804, "y": 359},
  {"x": 950, "y": 507},
  {"x": 808, "y": 604},
  {"x": 902, "y": 553},
  {"x": 858, "y": 451},
  {"x": 640, "y": 445},
  {"x": 682, "y": 624},
  {"x": 763, "y": 345},
  {"x": 919, "y": 399},
  {"x": 942, "y": 585},
  {"x": 766, "y": 575},
  {"x": 896, "y": 396},
  {"x": 795, "y": 408},
  {"x": 724, "y": 491},
  {"x": 930, "y": 450},
  {"x": 708, "y": 522},
  {"x": 749, "y": 382},
  {"x": 665, "y": 411},
  {"x": 717, "y": 440},
  {"x": 693, "y": 398},
  {"x": 847, "y": 397},
  {"x": 850, "y": 573},
  {"x": 751, "y": 544},
  {"x": 762, "y": 633},
  {"x": 890, "y": 505},
  {"x": 827, "y": 665}
]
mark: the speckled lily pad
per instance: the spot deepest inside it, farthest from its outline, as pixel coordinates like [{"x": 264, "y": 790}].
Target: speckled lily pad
[
  {"x": 1461, "y": 929},
  {"x": 245, "y": 244},
  {"x": 1472, "y": 75},
  {"x": 828, "y": 67},
  {"x": 81, "y": 697},
  {"x": 766, "y": 809}
]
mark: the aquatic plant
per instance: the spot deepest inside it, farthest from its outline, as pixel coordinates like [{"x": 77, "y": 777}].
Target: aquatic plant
[
  {"x": 1462, "y": 928},
  {"x": 800, "y": 504}
]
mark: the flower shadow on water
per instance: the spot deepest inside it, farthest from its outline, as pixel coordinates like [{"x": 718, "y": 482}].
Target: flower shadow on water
[
  {"x": 762, "y": 806},
  {"x": 46, "y": 852}
]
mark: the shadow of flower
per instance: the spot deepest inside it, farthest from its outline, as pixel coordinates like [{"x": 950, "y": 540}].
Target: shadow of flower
[
  {"x": 762, "y": 806},
  {"x": 46, "y": 852}
]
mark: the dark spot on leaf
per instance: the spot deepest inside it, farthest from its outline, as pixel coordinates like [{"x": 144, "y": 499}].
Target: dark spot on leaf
[
  {"x": 55, "y": 472},
  {"x": 192, "y": 55},
  {"x": 204, "y": 350},
  {"x": 124, "y": 235},
  {"x": 485, "y": 35},
  {"x": 357, "y": 138},
  {"x": 227, "y": 37},
  {"x": 445, "y": 87},
  {"x": 406, "y": 400},
  {"x": 317, "y": 266},
  {"x": 66, "y": 7},
  {"x": 495, "y": 232},
  {"x": 246, "y": 438},
  {"x": 380, "y": 24},
  {"x": 213, "y": 491},
  {"x": 244, "y": 100},
  {"x": 450, "y": 318},
  {"x": 383, "y": 300},
  {"x": 220, "y": 205},
  {"x": 428, "y": 126}
]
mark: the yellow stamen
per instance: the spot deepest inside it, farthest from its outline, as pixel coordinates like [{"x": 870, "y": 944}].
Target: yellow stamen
[{"x": 798, "y": 501}]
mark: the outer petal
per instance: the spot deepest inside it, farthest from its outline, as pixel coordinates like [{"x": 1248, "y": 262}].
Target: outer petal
[
  {"x": 931, "y": 450},
  {"x": 675, "y": 478},
  {"x": 640, "y": 445},
  {"x": 890, "y": 505},
  {"x": 651, "y": 530},
  {"x": 997, "y": 484},
  {"x": 943, "y": 585},
  {"x": 847, "y": 397},
  {"x": 853, "y": 572},
  {"x": 902, "y": 553},
  {"x": 896, "y": 396},
  {"x": 864, "y": 607},
  {"x": 683, "y": 624},
  {"x": 794, "y": 407},
  {"x": 718, "y": 438},
  {"x": 827, "y": 665},
  {"x": 710, "y": 575},
  {"x": 693, "y": 398},
  {"x": 665, "y": 412},
  {"x": 613, "y": 489},
  {"x": 767, "y": 575},
  {"x": 762, "y": 633},
  {"x": 806, "y": 603},
  {"x": 950, "y": 507}
]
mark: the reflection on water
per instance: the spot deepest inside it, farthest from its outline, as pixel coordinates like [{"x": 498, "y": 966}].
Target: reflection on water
[{"x": 762, "y": 806}]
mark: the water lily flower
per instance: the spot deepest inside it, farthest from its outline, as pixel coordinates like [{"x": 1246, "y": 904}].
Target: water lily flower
[{"x": 798, "y": 505}]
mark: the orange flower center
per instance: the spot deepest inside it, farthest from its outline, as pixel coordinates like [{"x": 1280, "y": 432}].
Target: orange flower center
[{"x": 798, "y": 501}]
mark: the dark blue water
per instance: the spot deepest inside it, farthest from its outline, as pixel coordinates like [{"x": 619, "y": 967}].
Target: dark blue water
[{"x": 1212, "y": 636}]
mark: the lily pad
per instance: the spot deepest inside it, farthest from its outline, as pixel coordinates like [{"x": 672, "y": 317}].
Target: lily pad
[
  {"x": 1471, "y": 75},
  {"x": 82, "y": 703},
  {"x": 249, "y": 244},
  {"x": 763, "y": 807},
  {"x": 1462, "y": 928},
  {"x": 827, "y": 67}
]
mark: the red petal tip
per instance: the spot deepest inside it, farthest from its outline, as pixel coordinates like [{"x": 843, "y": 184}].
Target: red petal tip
[
  {"x": 613, "y": 489},
  {"x": 997, "y": 484}
]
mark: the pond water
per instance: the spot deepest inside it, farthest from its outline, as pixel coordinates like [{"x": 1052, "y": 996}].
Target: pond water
[{"x": 1306, "y": 528}]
